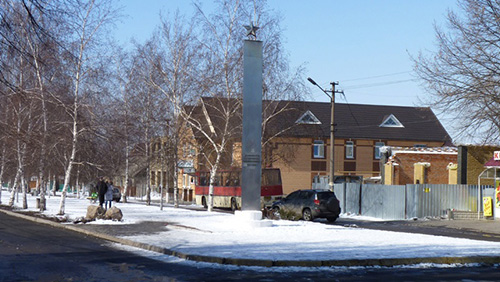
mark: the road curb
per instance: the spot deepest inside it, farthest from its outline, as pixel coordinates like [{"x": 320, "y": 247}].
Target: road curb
[{"x": 390, "y": 262}]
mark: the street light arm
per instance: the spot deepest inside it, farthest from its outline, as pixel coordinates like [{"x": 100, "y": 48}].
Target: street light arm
[
  {"x": 332, "y": 130},
  {"x": 314, "y": 83}
]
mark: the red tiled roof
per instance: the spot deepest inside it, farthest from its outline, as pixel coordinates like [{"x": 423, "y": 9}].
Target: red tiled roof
[{"x": 492, "y": 163}]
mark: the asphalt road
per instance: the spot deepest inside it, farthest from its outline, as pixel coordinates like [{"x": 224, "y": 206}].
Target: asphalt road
[
  {"x": 474, "y": 229},
  {"x": 36, "y": 252}
]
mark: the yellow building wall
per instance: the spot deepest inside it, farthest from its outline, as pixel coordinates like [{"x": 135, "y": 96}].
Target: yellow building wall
[
  {"x": 364, "y": 158},
  {"x": 296, "y": 174},
  {"x": 419, "y": 174},
  {"x": 477, "y": 156},
  {"x": 339, "y": 156},
  {"x": 452, "y": 173},
  {"x": 388, "y": 174},
  {"x": 296, "y": 168}
]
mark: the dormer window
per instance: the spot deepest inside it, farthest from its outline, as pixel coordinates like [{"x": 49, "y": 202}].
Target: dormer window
[
  {"x": 391, "y": 121},
  {"x": 308, "y": 118}
]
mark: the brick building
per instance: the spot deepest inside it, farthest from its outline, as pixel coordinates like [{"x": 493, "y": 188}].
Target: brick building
[
  {"x": 471, "y": 162},
  {"x": 301, "y": 138},
  {"x": 421, "y": 165}
]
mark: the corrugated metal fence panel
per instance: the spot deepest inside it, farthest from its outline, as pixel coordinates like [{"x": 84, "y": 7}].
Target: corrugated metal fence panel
[
  {"x": 349, "y": 196},
  {"x": 353, "y": 194},
  {"x": 383, "y": 201},
  {"x": 434, "y": 199},
  {"x": 400, "y": 202},
  {"x": 338, "y": 189},
  {"x": 396, "y": 194},
  {"x": 372, "y": 201},
  {"x": 489, "y": 192}
]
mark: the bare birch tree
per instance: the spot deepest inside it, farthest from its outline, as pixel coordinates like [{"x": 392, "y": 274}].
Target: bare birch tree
[
  {"x": 18, "y": 79},
  {"x": 40, "y": 47},
  {"x": 462, "y": 76},
  {"x": 123, "y": 110},
  {"x": 86, "y": 22},
  {"x": 148, "y": 108},
  {"x": 175, "y": 59}
]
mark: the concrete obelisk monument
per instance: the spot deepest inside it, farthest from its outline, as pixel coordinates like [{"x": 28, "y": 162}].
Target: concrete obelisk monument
[{"x": 252, "y": 127}]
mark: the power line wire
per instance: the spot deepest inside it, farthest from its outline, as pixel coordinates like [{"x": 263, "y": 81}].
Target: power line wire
[
  {"x": 367, "y": 85},
  {"x": 377, "y": 76},
  {"x": 378, "y": 84}
]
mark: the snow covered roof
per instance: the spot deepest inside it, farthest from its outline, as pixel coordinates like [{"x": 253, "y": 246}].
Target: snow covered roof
[{"x": 424, "y": 150}]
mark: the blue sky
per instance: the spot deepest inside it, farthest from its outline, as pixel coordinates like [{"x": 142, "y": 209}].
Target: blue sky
[{"x": 365, "y": 45}]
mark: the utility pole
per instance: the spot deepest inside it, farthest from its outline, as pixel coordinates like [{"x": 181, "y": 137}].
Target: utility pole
[
  {"x": 332, "y": 127},
  {"x": 332, "y": 136}
]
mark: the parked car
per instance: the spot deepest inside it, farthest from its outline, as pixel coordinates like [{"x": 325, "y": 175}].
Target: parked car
[
  {"x": 117, "y": 195},
  {"x": 308, "y": 205}
]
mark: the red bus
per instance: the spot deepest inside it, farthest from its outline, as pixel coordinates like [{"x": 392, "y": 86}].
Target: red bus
[{"x": 227, "y": 188}]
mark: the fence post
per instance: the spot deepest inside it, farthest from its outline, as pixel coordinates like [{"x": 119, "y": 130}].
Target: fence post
[
  {"x": 344, "y": 197},
  {"x": 360, "y": 197},
  {"x": 406, "y": 202}
]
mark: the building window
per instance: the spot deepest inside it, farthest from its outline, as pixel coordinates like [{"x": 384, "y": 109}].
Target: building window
[
  {"x": 349, "y": 150},
  {"x": 391, "y": 121},
  {"x": 308, "y": 118},
  {"x": 377, "y": 153},
  {"x": 319, "y": 149}
]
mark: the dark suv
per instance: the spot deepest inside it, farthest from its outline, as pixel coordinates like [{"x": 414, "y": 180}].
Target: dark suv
[
  {"x": 117, "y": 195},
  {"x": 308, "y": 205}
]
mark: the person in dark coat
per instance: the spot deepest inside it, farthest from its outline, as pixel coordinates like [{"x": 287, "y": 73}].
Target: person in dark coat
[
  {"x": 102, "y": 187},
  {"x": 108, "y": 197}
]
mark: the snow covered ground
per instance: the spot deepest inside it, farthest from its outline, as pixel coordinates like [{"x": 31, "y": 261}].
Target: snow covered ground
[{"x": 223, "y": 235}]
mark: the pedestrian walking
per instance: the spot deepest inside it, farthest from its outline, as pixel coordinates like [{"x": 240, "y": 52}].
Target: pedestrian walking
[
  {"x": 108, "y": 197},
  {"x": 101, "y": 190}
]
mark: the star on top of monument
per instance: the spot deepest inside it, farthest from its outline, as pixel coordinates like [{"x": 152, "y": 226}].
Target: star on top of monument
[{"x": 251, "y": 30}]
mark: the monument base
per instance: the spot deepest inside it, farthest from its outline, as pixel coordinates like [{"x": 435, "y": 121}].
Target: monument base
[{"x": 252, "y": 219}]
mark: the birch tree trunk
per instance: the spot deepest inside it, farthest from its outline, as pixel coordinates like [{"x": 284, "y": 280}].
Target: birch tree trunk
[
  {"x": 24, "y": 189},
  {"x": 127, "y": 155},
  {"x": 213, "y": 173},
  {"x": 14, "y": 186},
  {"x": 148, "y": 148},
  {"x": 2, "y": 169},
  {"x": 74, "y": 143},
  {"x": 41, "y": 166},
  {"x": 54, "y": 186},
  {"x": 21, "y": 152},
  {"x": 175, "y": 154},
  {"x": 77, "y": 184}
]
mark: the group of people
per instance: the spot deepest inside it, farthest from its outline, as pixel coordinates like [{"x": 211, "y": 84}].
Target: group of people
[{"x": 105, "y": 192}]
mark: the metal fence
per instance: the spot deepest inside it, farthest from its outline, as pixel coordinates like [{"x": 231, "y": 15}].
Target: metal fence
[{"x": 408, "y": 201}]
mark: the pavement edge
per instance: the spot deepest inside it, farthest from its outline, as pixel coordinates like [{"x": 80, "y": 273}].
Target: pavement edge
[{"x": 390, "y": 262}]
